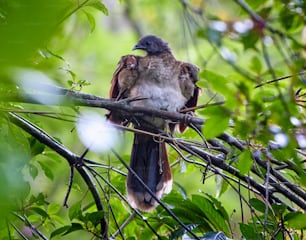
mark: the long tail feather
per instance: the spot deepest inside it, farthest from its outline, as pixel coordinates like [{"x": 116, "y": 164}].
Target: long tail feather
[{"x": 150, "y": 162}]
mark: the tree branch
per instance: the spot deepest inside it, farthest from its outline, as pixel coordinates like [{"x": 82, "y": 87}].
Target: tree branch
[
  {"x": 71, "y": 158},
  {"x": 68, "y": 97}
]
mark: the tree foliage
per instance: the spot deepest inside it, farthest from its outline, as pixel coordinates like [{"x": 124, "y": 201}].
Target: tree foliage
[{"x": 239, "y": 170}]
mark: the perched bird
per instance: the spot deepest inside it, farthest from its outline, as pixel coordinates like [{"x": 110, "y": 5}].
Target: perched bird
[{"x": 161, "y": 82}]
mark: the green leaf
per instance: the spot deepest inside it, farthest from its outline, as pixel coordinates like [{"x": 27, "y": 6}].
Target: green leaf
[
  {"x": 221, "y": 185},
  {"x": 40, "y": 211},
  {"x": 91, "y": 20},
  {"x": 218, "y": 206},
  {"x": 291, "y": 21},
  {"x": 249, "y": 39},
  {"x": 33, "y": 170},
  {"x": 34, "y": 218},
  {"x": 59, "y": 231},
  {"x": 221, "y": 85},
  {"x": 181, "y": 231},
  {"x": 53, "y": 208},
  {"x": 214, "y": 79},
  {"x": 279, "y": 209},
  {"x": 75, "y": 211},
  {"x": 296, "y": 220},
  {"x": 36, "y": 146},
  {"x": 95, "y": 217},
  {"x": 258, "y": 205},
  {"x": 217, "y": 122},
  {"x": 245, "y": 161},
  {"x": 255, "y": 4},
  {"x": 47, "y": 170},
  {"x": 74, "y": 227},
  {"x": 256, "y": 65},
  {"x": 214, "y": 217},
  {"x": 248, "y": 232},
  {"x": 97, "y": 4}
]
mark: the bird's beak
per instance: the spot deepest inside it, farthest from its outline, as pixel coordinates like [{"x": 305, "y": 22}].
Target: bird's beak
[{"x": 138, "y": 46}]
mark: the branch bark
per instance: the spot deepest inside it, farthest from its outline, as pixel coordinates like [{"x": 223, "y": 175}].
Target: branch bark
[{"x": 72, "y": 159}]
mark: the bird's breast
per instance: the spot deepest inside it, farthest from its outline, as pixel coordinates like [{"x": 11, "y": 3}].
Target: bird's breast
[{"x": 162, "y": 96}]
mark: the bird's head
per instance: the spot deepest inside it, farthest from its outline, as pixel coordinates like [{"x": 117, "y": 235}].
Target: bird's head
[{"x": 152, "y": 45}]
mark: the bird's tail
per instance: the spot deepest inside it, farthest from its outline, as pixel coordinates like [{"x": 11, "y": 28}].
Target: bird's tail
[{"x": 150, "y": 162}]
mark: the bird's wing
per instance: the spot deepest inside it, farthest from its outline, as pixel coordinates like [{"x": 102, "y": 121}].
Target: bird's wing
[
  {"x": 188, "y": 78},
  {"x": 124, "y": 78}
]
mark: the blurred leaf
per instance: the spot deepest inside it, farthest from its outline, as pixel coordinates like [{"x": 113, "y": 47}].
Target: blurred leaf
[
  {"x": 53, "y": 208},
  {"x": 255, "y": 4},
  {"x": 59, "y": 231},
  {"x": 47, "y": 170},
  {"x": 36, "y": 146},
  {"x": 214, "y": 126},
  {"x": 39, "y": 200},
  {"x": 256, "y": 64},
  {"x": 211, "y": 35},
  {"x": 249, "y": 39},
  {"x": 245, "y": 161},
  {"x": 97, "y": 4},
  {"x": 33, "y": 170},
  {"x": 217, "y": 121},
  {"x": 75, "y": 211},
  {"x": 40, "y": 211},
  {"x": 216, "y": 80},
  {"x": 34, "y": 218},
  {"x": 91, "y": 20},
  {"x": 24, "y": 19},
  {"x": 291, "y": 21},
  {"x": 296, "y": 220}
]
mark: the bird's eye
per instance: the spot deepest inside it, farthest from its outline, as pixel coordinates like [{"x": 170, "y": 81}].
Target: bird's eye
[{"x": 148, "y": 43}]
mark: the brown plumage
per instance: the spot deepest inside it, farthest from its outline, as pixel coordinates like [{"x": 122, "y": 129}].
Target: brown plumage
[{"x": 163, "y": 83}]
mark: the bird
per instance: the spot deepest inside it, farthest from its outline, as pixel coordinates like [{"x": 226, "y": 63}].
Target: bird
[{"x": 159, "y": 81}]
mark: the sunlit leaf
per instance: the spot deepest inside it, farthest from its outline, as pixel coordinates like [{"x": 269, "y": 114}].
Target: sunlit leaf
[
  {"x": 217, "y": 121},
  {"x": 53, "y": 208},
  {"x": 256, "y": 65},
  {"x": 91, "y": 21},
  {"x": 245, "y": 162},
  {"x": 97, "y": 4},
  {"x": 296, "y": 220}
]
